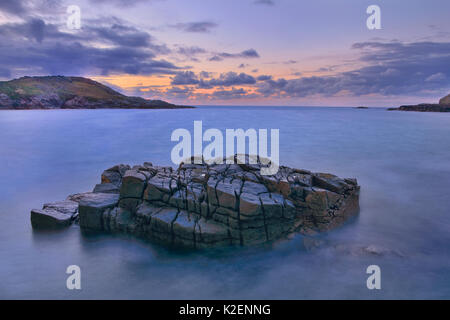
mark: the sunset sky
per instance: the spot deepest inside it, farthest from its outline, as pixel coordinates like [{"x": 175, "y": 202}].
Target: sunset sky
[{"x": 237, "y": 52}]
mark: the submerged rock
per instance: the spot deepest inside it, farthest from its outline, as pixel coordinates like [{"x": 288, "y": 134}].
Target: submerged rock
[
  {"x": 367, "y": 250},
  {"x": 200, "y": 205}
]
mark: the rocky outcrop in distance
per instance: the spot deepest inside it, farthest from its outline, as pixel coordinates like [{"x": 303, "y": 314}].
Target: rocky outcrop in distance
[
  {"x": 58, "y": 92},
  {"x": 445, "y": 101},
  {"x": 202, "y": 206}
]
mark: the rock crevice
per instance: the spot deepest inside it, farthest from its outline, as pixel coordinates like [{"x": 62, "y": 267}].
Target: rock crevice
[{"x": 201, "y": 205}]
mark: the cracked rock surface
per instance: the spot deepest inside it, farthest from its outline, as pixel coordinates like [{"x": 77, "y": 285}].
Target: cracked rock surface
[{"x": 201, "y": 205}]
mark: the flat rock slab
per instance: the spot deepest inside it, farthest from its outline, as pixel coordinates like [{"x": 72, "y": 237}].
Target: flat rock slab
[
  {"x": 202, "y": 205},
  {"x": 106, "y": 188},
  {"x": 54, "y": 215}
]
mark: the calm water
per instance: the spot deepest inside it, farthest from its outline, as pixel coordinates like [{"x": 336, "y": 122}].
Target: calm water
[{"x": 402, "y": 161}]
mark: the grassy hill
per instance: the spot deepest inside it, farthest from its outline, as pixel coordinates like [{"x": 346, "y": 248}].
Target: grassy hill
[{"x": 58, "y": 92}]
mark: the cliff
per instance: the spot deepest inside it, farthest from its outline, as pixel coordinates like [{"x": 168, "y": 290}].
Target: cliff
[
  {"x": 445, "y": 100},
  {"x": 443, "y": 106}
]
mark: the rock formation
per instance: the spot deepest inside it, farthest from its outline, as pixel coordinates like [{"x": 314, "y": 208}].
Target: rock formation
[
  {"x": 443, "y": 106},
  {"x": 445, "y": 101},
  {"x": 200, "y": 205}
]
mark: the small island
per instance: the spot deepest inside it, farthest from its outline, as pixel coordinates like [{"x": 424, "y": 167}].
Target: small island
[
  {"x": 442, "y": 106},
  {"x": 201, "y": 206},
  {"x": 59, "y": 92}
]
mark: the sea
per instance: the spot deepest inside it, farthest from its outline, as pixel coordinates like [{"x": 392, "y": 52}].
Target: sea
[{"x": 401, "y": 161}]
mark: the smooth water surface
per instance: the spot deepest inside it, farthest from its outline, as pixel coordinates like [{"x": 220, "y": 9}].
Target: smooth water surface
[{"x": 401, "y": 160}]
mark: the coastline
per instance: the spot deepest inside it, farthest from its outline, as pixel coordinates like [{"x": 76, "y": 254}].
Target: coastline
[
  {"x": 423, "y": 108},
  {"x": 109, "y": 108}
]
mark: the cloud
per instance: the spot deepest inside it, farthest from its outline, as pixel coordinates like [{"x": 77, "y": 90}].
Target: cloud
[
  {"x": 246, "y": 54},
  {"x": 436, "y": 77},
  {"x": 190, "y": 51},
  {"x": 229, "y": 94},
  {"x": 264, "y": 78},
  {"x": 197, "y": 27},
  {"x": 386, "y": 69},
  {"x": 108, "y": 45},
  {"x": 391, "y": 68},
  {"x": 37, "y": 47},
  {"x": 205, "y": 81},
  {"x": 183, "y": 93},
  {"x": 178, "y": 92},
  {"x": 227, "y": 80},
  {"x": 185, "y": 78},
  {"x": 123, "y": 3},
  {"x": 205, "y": 74},
  {"x": 34, "y": 29},
  {"x": 27, "y": 8},
  {"x": 14, "y": 7},
  {"x": 216, "y": 58},
  {"x": 187, "y": 53},
  {"x": 5, "y": 73},
  {"x": 122, "y": 35}
]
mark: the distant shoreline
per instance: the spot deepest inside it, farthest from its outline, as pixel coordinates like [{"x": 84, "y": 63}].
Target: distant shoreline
[
  {"x": 442, "y": 106},
  {"x": 137, "y": 108},
  {"x": 60, "y": 92},
  {"x": 423, "y": 108}
]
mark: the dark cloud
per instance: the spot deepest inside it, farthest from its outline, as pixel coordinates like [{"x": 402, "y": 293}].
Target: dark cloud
[
  {"x": 250, "y": 53},
  {"x": 5, "y": 73},
  {"x": 28, "y": 8},
  {"x": 178, "y": 92},
  {"x": 33, "y": 29},
  {"x": 122, "y": 3},
  {"x": 216, "y": 58},
  {"x": 12, "y": 6},
  {"x": 227, "y": 80},
  {"x": 205, "y": 74},
  {"x": 185, "y": 78},
  {"x": 264, "y": 78},
  {"x": 388, "y": 68},
  {"x": 77, "y": 59},
  {"x": 229, "y": 94},
  {"x": 122, "y": 35},
  {"x": 198, "y": 27},
  {"x": 224, "y": 80},
  {"x": 392, "y": 68},
  {"x": 51, "y": 51},
  {"x": 182, "y": 93}
]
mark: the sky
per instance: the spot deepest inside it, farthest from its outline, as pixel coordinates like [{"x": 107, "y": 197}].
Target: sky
[{"x": 237, "y": 52}]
